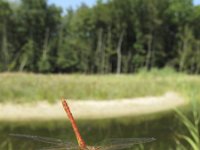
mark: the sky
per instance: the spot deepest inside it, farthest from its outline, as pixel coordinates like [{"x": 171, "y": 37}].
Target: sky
[
  {"x": 196, "y": 2},
  {"x": 74, "y": 3},
  {"x": 71, "y": 3}
]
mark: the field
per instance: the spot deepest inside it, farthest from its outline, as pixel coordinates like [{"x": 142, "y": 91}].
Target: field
[{"x": 28, "y": 87}]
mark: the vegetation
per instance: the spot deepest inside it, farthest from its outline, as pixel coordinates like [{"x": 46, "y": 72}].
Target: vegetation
[
  {"x": 191, "y": 122},
  {"x": 112, "y": 37},
  {"x": 23, "y": 87}
]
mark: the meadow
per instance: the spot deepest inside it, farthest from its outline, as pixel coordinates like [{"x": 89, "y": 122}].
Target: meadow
[{"x": 29, "y": 87}]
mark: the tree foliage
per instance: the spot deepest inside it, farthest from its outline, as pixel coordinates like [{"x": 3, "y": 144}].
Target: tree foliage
[{"x": 111, "y": 37}]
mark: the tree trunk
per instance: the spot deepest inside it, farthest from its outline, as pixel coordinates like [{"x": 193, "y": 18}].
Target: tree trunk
[
  {"x": 108, "y": 51},
  {"x": 197, "y": 57},
  {"x": 44, "y": 65},
  {"x": 119, "y": 55},
  {"x": 149, "y": 52},
  {"x": 186, "y": 49},
  {"x": 99, "y": 52},
  {"x": 5, "y": 49}
]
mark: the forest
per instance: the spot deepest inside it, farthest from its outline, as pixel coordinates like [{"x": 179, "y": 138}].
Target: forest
[{"x": 111, "y": 37}]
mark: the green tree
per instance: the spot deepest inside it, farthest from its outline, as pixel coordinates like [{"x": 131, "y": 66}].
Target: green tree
[
  {"x": 26, "y": 56},
  {"x": 5, "y": 17},
  {"x": 34, "y": 18}
]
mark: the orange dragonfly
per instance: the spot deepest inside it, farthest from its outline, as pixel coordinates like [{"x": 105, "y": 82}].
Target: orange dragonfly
[{"x": 57, "y": 144}]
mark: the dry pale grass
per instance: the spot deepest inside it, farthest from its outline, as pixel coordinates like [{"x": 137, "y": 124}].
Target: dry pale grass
[{"x": 91, "y": 109}]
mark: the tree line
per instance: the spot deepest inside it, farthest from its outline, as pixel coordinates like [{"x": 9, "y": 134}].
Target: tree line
[{"x": 117, "y": 36}]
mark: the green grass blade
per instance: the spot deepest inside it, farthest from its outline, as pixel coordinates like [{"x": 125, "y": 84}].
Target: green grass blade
[
  {"x": 191, "y": 127},
  {"x": 190, "y": 141}
]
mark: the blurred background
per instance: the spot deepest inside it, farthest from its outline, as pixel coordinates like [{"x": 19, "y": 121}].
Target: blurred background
[{"x": 100, "y": 51}]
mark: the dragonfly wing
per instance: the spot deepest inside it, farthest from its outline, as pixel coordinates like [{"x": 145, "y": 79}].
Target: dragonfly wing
[
  {"x": 131, "y": 140},
  {"x": 43, "y": 139},
  {"x": 118, "y": 144},
  {"x": 60, "y": 148},
  {"x": 117, "y": 147}
]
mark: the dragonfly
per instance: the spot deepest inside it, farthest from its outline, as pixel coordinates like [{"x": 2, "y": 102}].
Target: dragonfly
[{"x": 58, "y": 144}]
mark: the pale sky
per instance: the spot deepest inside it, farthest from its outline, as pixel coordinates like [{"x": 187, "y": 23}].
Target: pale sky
[
  {"x": 71, "y": 3},
  {"x": 74, "y": 3},
  {"x": 196, "y": 2}
]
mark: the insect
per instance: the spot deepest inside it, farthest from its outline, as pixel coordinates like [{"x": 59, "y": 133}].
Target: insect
[{"x": 57, "y": 144}]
